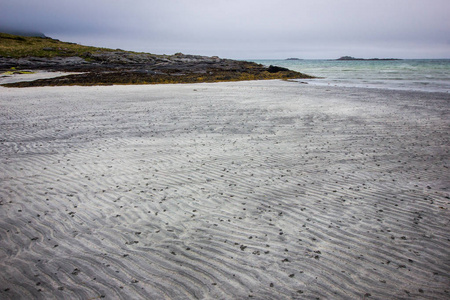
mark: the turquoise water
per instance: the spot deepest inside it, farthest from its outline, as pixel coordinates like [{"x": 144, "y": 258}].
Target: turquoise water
[{"x": 431, "y": 75}]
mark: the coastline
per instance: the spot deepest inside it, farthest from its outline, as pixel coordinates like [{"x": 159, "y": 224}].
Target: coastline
[
  {"x": 90, "y": 66},
  {"x": 101, "y": 66},
  {"x": 269, "y": 189}
]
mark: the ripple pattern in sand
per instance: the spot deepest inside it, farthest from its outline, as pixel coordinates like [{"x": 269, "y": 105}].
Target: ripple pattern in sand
[{"x": 268, "y": 190}]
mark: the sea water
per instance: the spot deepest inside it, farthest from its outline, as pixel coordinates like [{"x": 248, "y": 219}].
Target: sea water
[{"x": 430, "y": 75}]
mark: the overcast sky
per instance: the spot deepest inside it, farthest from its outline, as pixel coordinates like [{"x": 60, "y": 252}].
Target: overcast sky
[{"x": 244, "y": 29}]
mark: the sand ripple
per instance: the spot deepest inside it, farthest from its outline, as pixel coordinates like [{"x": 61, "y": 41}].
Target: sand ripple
[{"x": 270, "y": 190}]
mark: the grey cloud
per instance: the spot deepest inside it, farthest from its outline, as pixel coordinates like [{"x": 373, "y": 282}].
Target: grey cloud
[{"x": 239, "y": 28}]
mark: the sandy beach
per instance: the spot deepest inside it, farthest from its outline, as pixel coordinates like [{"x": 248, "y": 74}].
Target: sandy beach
[{"x": 259, "y": 189}]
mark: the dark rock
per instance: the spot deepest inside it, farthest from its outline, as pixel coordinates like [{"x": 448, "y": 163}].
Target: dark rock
[{"x": 275, "y": 69}]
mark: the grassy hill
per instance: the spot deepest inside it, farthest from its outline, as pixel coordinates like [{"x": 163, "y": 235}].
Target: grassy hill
[{"x": 15, "y": 46}]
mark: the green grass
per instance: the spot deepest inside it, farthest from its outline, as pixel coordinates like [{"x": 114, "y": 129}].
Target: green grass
[{"x": 20, "y": 46}]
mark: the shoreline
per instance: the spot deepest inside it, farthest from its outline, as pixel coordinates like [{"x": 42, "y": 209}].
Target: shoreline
[
  {"x": 28, "y": 79},
  {"x": 269, "y": 189}
]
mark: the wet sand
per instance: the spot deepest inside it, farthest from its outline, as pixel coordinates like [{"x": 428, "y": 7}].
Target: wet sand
[{"x": 264, "y": 189}]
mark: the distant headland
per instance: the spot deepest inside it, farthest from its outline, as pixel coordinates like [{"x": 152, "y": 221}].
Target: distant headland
[
  {"x": 22, "y": 32},
  {"x": 102, "y": 66},
  {"x": 354, "y": 58}
]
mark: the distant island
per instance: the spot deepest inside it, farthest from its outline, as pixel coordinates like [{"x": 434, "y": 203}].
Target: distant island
[
  {"x": 293, "y": 58},
  {"x": 102, "y": 66},
  {"x": 354, "y": 58}
]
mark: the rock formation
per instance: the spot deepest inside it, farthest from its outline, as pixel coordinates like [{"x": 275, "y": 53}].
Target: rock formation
[{"x": 107, "y": 66}]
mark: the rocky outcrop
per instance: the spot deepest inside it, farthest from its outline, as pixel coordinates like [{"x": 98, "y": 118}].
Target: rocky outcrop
[
  {"x": 110, "y": 61},
  {"x": 107, "y": 66},
  {"x": 104, "y": 68},
  {"x": 43, "y": 63},
  {"x": 275, "y": 69}
]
